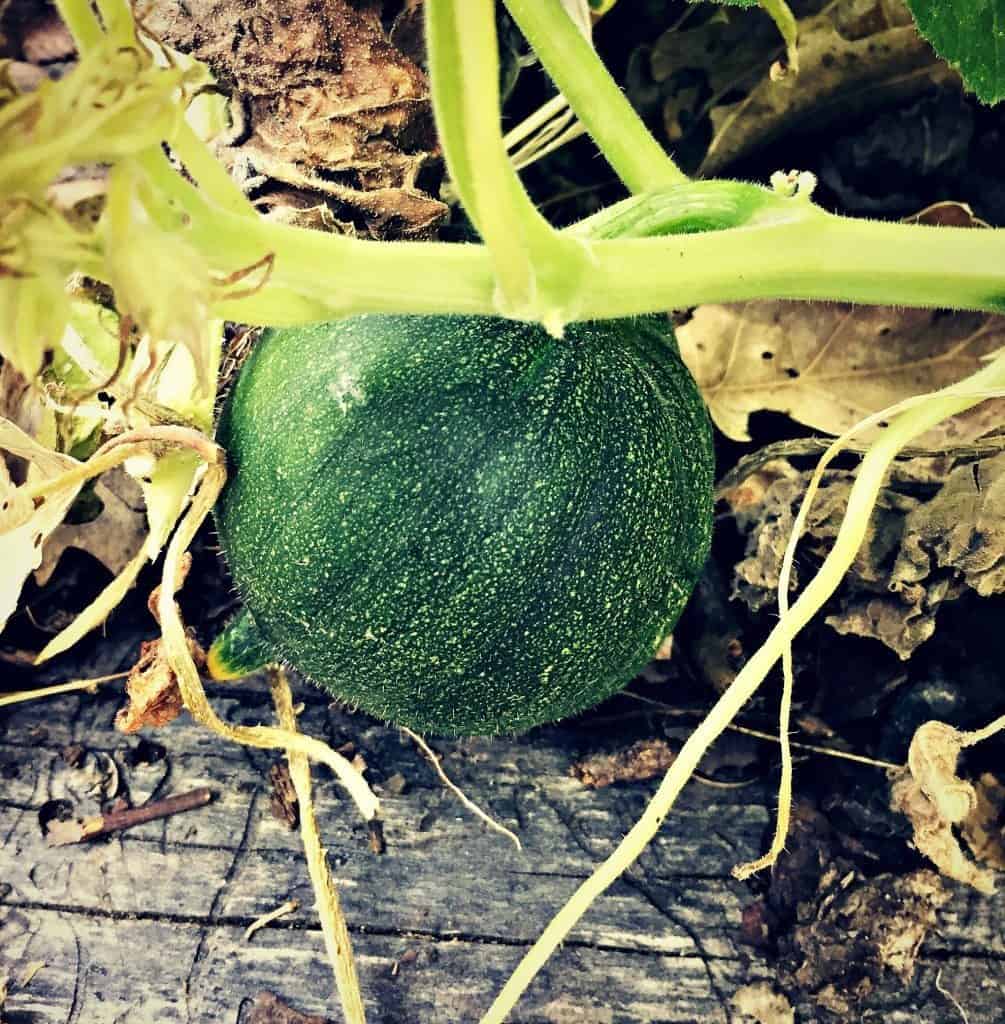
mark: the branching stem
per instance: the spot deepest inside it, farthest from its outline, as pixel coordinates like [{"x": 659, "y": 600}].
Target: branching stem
[{"x": 593, "y": 94}]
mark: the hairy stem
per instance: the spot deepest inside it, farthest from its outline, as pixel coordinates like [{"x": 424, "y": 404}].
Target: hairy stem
[
  {"x": 594, "y": 95},
  {"x": 536, "y": 268}
]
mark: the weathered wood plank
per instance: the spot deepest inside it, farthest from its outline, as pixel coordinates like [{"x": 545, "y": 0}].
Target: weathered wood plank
[{"x": 148, "y": 925}]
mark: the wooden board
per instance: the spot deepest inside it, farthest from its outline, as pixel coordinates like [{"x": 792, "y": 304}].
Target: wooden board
[{"x": 148, "y": 925}]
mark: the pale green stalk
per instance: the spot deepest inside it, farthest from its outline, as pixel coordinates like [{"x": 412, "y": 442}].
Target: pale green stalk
[
  {"x": 80, "y": 19},
  {"x": 536, "y": 268},
  {"x": 594, "y": 95}
]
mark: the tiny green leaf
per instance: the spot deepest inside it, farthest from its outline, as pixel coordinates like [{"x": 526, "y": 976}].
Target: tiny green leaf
[{"x": 969, "y": 35}]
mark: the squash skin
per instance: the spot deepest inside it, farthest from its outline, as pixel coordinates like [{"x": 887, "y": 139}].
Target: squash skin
[{"x": 462, "y": 524}]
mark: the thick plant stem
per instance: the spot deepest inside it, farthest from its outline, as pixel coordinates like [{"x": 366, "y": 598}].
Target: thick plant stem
[
  {"x": 872, "y": 472},
  {"x": 329, "y": 907},
  {"x": 536, "y": 268},
  {"x": 80, "y": 19},
  {"x": 593, "y": 94},
  {"x": 812, "y": 255}
]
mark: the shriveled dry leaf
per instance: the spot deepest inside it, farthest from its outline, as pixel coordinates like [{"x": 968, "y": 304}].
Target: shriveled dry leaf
[
  {"x": 935, "y": 799},
  {"x": 334, "y": 113},
  {"x": 984, "y": 829},
  {"x": 270, "y": 1009},
  {"x": 114, "y": 537},
  {"x": 961, "y": 528},
  {"x": 830, "y": 365},
  {"x": 921, "y": 549},
  {"x": 24, "y": 526},
  {"x": 152, "y": 688},
  {"x": 642, "y": 760},
  {"x": 854, "y": 56},
  {"x": 761, "y": 1002},
  {"x": 859, "y": 931}
]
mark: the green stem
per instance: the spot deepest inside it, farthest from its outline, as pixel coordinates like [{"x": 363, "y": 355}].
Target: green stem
[
  {"x": 80, "y": 19},
  {"x": 813, "y": 256},
  {"x": 785, "y": 21},
  {"x": 788, "y": 249},
  {"x": 594, "y": 95},
  {"x": 208, "y": 173},
  {"x": 535, "y": 266}
]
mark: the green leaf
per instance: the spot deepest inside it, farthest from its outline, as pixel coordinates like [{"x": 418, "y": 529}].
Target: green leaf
[{"x": 969, "y": 35}]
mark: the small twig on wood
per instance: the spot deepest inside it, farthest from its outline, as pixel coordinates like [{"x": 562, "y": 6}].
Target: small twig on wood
[
  {"x": 289, "y": 907},
  {"x": 116, "y": 820},
  {"x": 434, "y": 760},
  {"x": 51, "y": 691},
  {"x": 27, "y": 975}
]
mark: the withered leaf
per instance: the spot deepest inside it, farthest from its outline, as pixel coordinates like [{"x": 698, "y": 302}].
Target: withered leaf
[
  {"x": 113, "y": 537},
  {"x": 330, "y": 111},
  {"x": 920, "y": 550},
  {"x": 984, "y": 829},
  {"x": 854, "y": 57},
  {"x": 934, "y": 799},
  {"x": 829, "y": 365},
  {"x": 270, "y": 1009},
  {"x": 152, "y": 688}
]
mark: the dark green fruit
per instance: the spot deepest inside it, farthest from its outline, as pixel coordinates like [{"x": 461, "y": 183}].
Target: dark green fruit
[{"x": 462, "y": 524}]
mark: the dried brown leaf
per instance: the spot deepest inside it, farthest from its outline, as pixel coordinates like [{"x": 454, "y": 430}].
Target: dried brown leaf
[
  {"x": 643, "y": 760},
  {"x": 830, "y": 365},
  {"x": 114, "y": 537},
  {"x": 854, "y": 57},
  {"x": 984, "y": 829},
  {"x": 326, "y": 106},
  {"x": 921, "y": 549},
  {"x": 934, "y": 799},
  {"x": 152, "y": 688},
  {"x": 270, "y": 1009}
]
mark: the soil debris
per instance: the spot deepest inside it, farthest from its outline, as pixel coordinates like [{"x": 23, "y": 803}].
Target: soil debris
[
  {"x": 764, "y": 1004},
  {"x": 270, "y": 1009},
  {"x": 643, "y": 760}
]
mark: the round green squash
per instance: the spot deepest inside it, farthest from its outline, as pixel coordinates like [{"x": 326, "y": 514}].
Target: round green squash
[{"x": 462, "y": 524}]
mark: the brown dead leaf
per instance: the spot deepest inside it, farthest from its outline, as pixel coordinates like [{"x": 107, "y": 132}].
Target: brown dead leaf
[
  {"x": 114, "y": 537},
  {"x": 934, "y": 799},
  {"x": 984, "y": 829},
  {"x": 921, "y": 549},
  {"x": 829, "y": 365},
  {"x": 856, "y": 932},
  {"x": 643, "y": 760},
  {"x": 270, "y": 1009},
  {"x": 325, "y": 105},
  {"x": 761, "y": 1002},
  {"x": 152, "y": 688},
  {"x": 854, "y": 56}
]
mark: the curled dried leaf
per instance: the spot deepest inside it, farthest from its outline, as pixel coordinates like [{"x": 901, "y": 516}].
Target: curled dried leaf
[
  {"x": 152, "y": 688},
  {"x": 931, "y": 795},
  {"x": 643, "y": 760}
]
